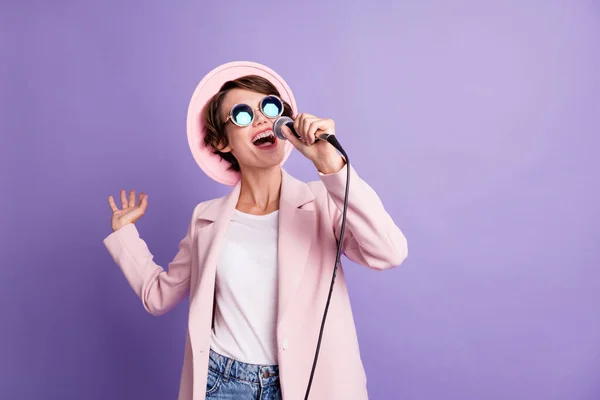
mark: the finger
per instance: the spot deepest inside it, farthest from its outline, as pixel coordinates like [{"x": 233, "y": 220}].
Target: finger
[
  {"x": 144, "y": 203},
  {"x": 111, "y": 203},
  {"x": 306, "y": 127},
  {"x": 132, "y": 198},
  {"x": 140, "y": 199},
  {"x": 308, "y": 118},
  {"x": 297, "y": 122},
  {"x": 313, "y": 127},
  {"x": 303, "y": 126},
  {"x": 302, "y": 122},
  {"x": 328, "y": 126},
  {"x": 291, "y": 137},
  {"x": 307, "y": 130},
  {"x": 124, "y": 204}
]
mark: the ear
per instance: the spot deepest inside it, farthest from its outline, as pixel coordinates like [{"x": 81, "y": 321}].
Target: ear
[{"x": 226, "y": 149}]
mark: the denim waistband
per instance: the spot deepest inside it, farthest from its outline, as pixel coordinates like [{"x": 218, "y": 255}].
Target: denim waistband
[{"x": 230, "y": 368}]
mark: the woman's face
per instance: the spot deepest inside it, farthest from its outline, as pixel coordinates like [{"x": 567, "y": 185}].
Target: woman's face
[{"x": 254, "y": 146}]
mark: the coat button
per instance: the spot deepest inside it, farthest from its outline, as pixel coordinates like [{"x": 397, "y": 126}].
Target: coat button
[{"x": 284, "y": 345}]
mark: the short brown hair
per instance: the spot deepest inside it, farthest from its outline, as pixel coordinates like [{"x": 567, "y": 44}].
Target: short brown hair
[{"x": 214, "y": 124}]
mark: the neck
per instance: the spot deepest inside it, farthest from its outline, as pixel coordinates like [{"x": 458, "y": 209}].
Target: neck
[{"x": 260, "y": 189}]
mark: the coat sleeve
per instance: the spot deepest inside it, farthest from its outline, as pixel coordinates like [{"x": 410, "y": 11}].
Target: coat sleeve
[
  {"x": 371, "y": 237},
  {"x": 160, "y": 290}
]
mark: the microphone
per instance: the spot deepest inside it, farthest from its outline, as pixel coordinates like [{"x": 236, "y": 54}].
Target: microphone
[{"x": 287, "y": 121}]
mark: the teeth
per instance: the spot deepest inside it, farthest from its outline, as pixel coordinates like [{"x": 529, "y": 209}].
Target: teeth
[{"x": 263, "y": 135}]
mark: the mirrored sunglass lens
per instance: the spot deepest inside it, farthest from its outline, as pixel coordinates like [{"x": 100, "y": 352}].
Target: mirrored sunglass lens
[
  {"x": 271, "y": 106},
  {"x": 242, "y": 115}
]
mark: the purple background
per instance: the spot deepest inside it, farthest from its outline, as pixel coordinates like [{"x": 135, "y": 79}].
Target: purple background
[{"x": 476, "y": 123}]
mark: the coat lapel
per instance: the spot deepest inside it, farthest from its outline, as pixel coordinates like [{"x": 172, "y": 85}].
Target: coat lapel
[
  {"x": 213, "y": 222},
  {"x": 296, "y": 220},
  {"x": 220, "y": 213}
]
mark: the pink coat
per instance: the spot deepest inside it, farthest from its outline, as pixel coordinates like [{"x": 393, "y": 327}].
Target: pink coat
[{"x": 309, "y": 214}]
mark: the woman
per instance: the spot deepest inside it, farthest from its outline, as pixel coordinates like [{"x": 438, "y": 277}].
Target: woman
[{"x": 257, "y": 263}]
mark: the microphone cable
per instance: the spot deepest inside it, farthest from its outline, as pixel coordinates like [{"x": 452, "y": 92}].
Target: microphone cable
[{"x": 333, "y": 141}]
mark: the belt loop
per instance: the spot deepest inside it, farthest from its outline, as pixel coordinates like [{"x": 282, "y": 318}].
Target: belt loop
[
  {"x": 227, "y": 369},
  {"x": 260, "y": 382}
]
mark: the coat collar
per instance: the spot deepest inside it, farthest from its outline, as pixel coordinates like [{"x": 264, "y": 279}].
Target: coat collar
[
  {"x": 294, "y": 193},
  {"x": 296, "y": 220}
]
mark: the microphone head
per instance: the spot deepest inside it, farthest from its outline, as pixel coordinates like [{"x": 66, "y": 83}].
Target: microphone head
[{"x": 279, "y": 123}]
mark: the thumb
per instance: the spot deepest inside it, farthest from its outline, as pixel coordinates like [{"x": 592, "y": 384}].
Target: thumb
[{"x": 291, "y": 137}]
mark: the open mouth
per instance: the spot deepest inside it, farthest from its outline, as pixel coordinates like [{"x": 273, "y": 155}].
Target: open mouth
[{"x": 264, "y": 139}]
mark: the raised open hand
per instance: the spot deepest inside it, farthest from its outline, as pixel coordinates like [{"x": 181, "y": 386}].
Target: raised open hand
[{"x": 131, "y": 211}]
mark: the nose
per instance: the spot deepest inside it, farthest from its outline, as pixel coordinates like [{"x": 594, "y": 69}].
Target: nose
[{"x": 259, "y": 118}]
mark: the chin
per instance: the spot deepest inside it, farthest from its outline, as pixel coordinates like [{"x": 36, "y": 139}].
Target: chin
[
  {"x": 262, "y": 158},
  {"x": 263, "y": 162},
  {"x": 270, "y": 163},
  {"x": 271, "y": 157}
]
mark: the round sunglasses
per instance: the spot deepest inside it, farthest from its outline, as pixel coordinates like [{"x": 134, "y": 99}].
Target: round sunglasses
[{"x": 243, "y": 115}]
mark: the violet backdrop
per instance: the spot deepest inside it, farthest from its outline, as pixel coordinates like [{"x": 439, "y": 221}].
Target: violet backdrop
[{"x": 476, "y": 122}]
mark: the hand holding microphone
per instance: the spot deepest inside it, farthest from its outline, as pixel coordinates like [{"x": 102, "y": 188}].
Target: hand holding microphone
[
  {"x": 312, "y": 136},
  {"x": 306, "y": 127}
]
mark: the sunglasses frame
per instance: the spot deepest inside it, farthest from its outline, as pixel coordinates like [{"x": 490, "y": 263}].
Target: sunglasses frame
[{"x": 230, "y": 116}]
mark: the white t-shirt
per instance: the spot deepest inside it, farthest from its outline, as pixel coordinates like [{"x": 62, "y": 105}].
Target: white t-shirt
[{"x": 246, "y": 290}]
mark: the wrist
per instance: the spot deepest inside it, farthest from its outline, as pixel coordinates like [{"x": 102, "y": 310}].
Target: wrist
[{"x": 330, "y": 165}]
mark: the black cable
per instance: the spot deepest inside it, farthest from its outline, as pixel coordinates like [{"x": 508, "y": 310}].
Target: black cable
[{"x": 333, "y": 140}]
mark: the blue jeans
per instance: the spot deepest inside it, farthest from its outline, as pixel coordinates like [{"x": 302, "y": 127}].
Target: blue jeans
[{"x": 232, "y": 379}]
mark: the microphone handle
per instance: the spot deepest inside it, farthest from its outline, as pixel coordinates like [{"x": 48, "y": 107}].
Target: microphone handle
[{"x": 322, "y": 136}]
